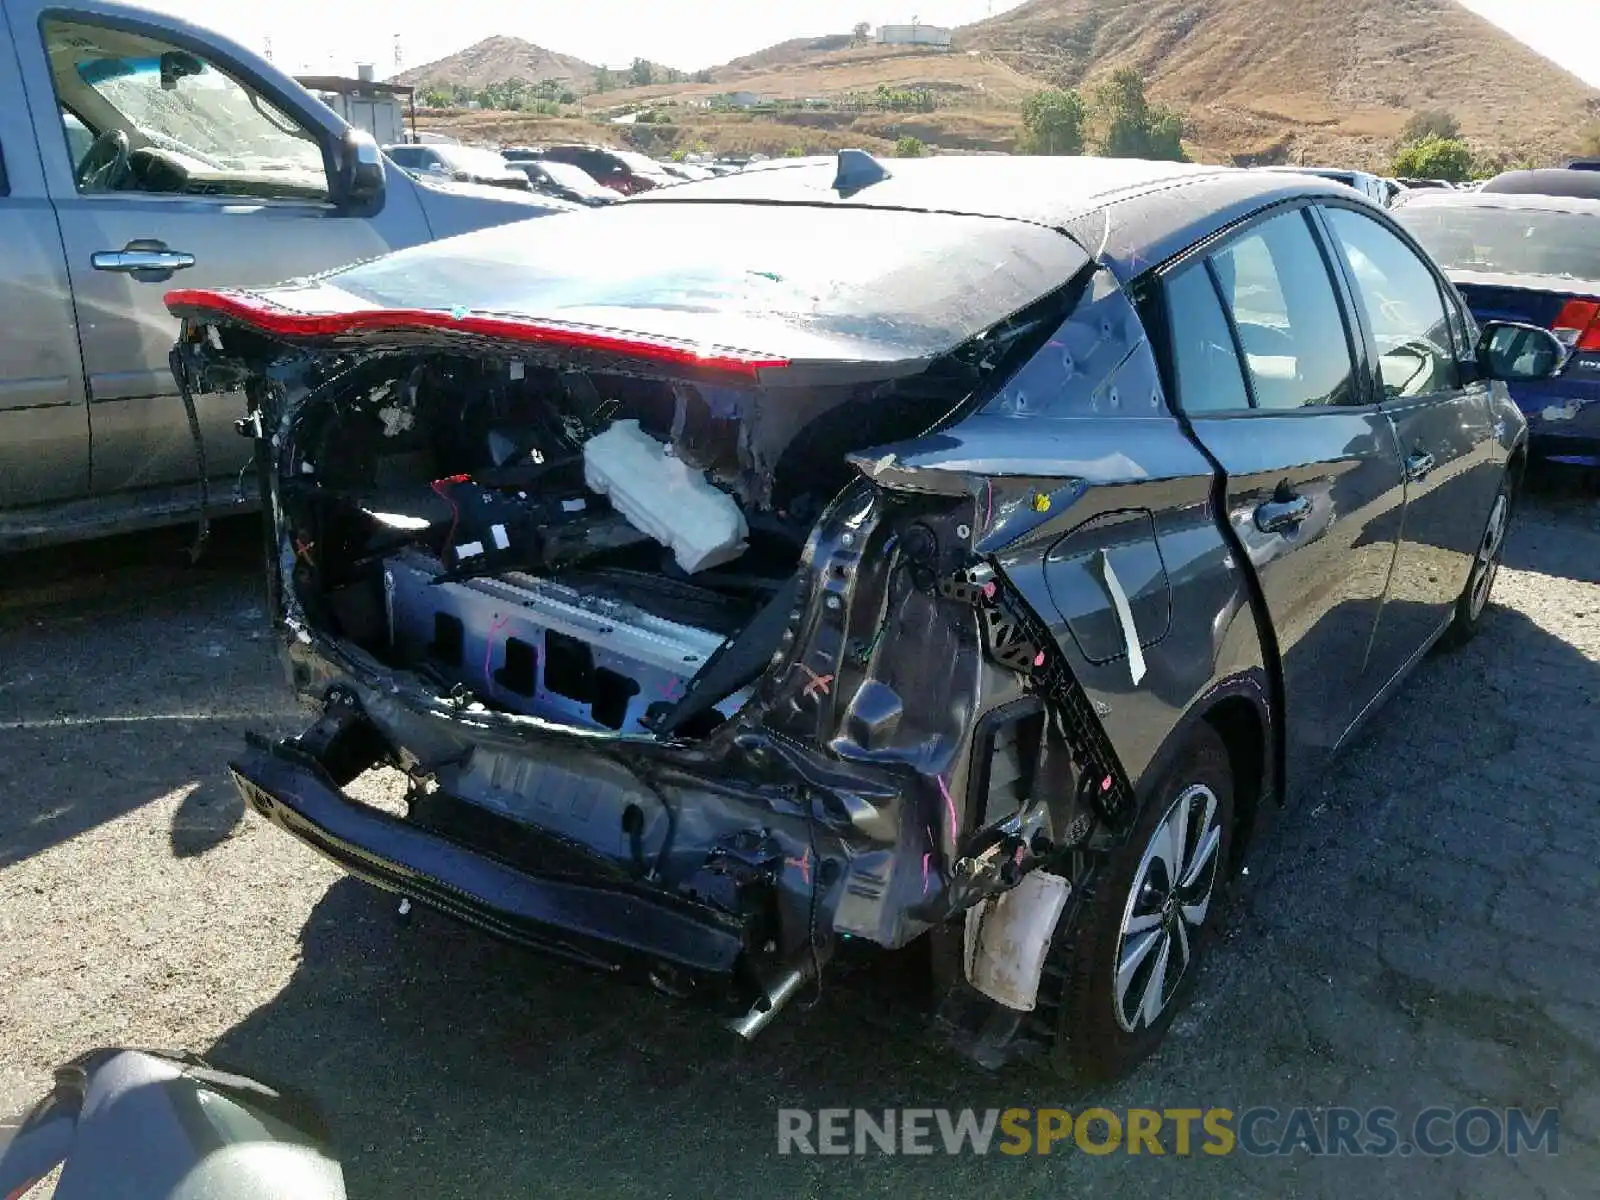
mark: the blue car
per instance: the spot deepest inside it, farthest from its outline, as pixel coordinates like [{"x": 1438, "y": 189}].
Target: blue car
[{"x": 1531, "y": 258}]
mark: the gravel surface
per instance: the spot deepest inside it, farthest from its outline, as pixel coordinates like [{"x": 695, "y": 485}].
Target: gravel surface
[{"x": 1419, "y": 933}]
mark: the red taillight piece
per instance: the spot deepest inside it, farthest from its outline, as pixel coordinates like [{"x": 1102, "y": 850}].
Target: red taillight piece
[
  {"x": 261, "y": 313},
  {"x": 1578, "y": 324}
]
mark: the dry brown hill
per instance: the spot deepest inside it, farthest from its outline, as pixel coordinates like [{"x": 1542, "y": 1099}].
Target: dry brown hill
[
  {"x": 795, "y": 50},
  {"x": 497, "y": 59},
  {"x": 1337, "y": 77},
  {"x": 1259, "y": 80}
]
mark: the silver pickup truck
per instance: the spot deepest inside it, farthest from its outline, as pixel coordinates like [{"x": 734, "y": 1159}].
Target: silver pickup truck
[{"x": 140, "y": 153}]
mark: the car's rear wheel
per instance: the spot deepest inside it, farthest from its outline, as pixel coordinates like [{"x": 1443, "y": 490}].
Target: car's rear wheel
[
  {"x": 1134, "y": 946},
  {"x": 1474, "y": 599}
]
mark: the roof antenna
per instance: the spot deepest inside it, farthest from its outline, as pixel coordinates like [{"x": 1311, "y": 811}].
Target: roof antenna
[{"x": 857, "y": 169}]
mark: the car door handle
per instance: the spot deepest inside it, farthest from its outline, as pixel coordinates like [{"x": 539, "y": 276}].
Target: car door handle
[
  {"x": 1418, "y": 465},
  {"x": 1277, "y": 515},
  {"x": 131, "y": 261}
]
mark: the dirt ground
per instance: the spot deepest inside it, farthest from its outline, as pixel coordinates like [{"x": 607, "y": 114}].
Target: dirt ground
[{"x": 1421, "y": 933}]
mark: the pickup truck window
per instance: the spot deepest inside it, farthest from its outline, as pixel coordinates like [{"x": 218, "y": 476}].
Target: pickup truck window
[{"x": 165, "y": 120}]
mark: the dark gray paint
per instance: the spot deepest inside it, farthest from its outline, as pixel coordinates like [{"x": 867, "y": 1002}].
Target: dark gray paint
[{"x": 1278, "y": 624}]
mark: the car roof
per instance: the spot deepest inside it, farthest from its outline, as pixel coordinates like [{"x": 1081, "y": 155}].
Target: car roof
[
  {"x": 1130, "y": 213},
  {"x": 1524, "y": 201},
  {"x": 1325, "y": 172},
  {"x": 1548, "y": 181}
]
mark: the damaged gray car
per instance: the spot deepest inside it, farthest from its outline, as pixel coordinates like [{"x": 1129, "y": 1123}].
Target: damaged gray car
[{"x": 846, "y": 554}]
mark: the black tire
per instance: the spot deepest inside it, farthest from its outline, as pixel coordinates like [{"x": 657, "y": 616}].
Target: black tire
[
  {"x": 1093, "y": 1041},
  {"x": 1473, "y": 603}
]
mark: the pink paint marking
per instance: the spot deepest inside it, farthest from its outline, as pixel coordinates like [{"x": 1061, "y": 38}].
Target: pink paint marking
[
  {"x": 803, "y": 863},
  {"x": 488, "y": 649},
  {"x": 926, "y": 858},
  {"x": 949, "y": 805},
  {"x": 1038, "y": 659},
  {"x": 989, "y": 590}
]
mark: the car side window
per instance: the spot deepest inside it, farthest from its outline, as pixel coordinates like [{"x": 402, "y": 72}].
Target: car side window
[
  {"x": 1205, "y": 361},
  {"x": 1403, "y": 304},
  {"x": 1276, "y": 285},
  {"x": 165, "y": 120}
]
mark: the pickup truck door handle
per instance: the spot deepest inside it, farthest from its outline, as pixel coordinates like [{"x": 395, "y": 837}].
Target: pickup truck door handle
[
  {"x": 1282, "y": 513},
  {"x": 139, "y": 257}
]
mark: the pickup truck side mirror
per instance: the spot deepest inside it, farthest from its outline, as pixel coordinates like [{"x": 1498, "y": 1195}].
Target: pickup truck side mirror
[
  {"x": 1514, "y": 352},
  {"x": 359, "y": 179}
]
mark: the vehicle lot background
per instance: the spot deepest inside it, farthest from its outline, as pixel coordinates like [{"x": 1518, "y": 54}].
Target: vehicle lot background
[{"x": 1420, "y": 933}]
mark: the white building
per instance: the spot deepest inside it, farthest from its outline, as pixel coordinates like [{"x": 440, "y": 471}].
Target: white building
[
  {"x": 381, "y": 109},
  {"x": 914, "y": 35}
]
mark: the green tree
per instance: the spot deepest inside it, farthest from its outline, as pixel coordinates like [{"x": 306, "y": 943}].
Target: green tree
[
  {"x": 1434, "y": 158},
  {"x": 1431, "y": 123},
  {"x": 603, "y": 82},
  {"x": 1052, "y": 122},
  {"x": 910, "y": 147},
  {"x": 641, "y": 74},
  {"x": 1129, "y": 126},
  {"x": 860, "y": 33},
  {"x": 795, "y": 152},
  {"x": 703, "y": 75}
]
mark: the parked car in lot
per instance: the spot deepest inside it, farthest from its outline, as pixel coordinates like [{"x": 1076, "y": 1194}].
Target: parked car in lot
[
  {"x": 688, "y": 172},
  {"x": 1378, "y": 190},
  {"x": 463, "y": 164},
  {"x": 566, "y": 182},
  {"x": 620, "y": 170},
  {"x": 139, "y": 149},
  {"x": 1577, "y": 182},
  {"x": 1533, "y": 258},
  {"x": 972, "y": 548}
]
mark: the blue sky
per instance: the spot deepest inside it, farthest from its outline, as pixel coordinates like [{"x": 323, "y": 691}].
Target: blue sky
[{"x": 319, "y": 35}]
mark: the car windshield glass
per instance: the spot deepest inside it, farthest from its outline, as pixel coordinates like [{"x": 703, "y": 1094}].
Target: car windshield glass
[
  {"x": 479, "y": 162},
  {"x": 206, "y": 114},
  {"x": 790, "y": 279},
  {"x": 1507, "y": 241},
  {"x": 575, "y": 178},
  {"x": 639, "y": 164}
]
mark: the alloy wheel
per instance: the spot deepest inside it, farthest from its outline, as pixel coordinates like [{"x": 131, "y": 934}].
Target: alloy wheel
[
  {"x": 1487, "y": 565},
  {"x": 1166, "y": 908}
]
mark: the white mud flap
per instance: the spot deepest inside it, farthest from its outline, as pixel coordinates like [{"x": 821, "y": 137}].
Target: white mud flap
[{"x": 1008, "y": 936}]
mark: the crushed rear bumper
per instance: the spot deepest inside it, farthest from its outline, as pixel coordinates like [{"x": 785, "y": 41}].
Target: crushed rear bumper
[{"x": 617, "y": 926}]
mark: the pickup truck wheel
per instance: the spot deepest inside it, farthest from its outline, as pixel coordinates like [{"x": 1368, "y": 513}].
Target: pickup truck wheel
[
  {"x": 1474, "y": 600},
  {"x": 1135, "y": 944}
]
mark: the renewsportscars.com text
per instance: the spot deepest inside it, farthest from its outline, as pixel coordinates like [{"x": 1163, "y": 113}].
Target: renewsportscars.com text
[{"x": 1374, "y": 1132}]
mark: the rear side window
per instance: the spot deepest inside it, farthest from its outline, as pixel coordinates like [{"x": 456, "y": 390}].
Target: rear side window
[
  {"x": 1403, "y": 304},
  {"x": 1293, "y": 335},
  {"x": 1205, "y": 362}
]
